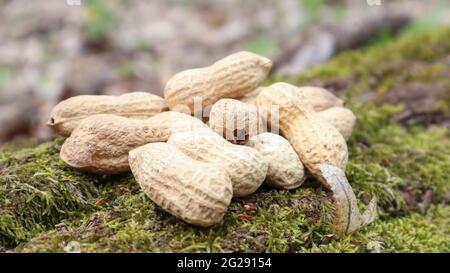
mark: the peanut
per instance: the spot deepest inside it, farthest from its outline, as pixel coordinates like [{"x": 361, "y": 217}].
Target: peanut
[
  {"x": 231, "y": 77},
  {"x": 315, "y": 141},
  {"x": 66, "y": 116},
  {"x": 235, "y": 121},
  {"x": 100, "y": 144},
  {"x": 320, "y": 98},
  {"x": 196, "y": 192},
  {"x": 341, "y": 118},
  {"x": 285, "y": 169},
  {"x": 244, "y": 165},
  {"x": 250, "y": 98}
]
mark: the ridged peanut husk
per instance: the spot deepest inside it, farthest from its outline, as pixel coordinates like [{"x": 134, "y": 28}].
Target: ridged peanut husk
[
  {"x": 315, "y": 141},
  {"x": 235, "y": 121},
  {"x": 231, "y": 77},
  {"x": 100, "y": 144},
  {"x": 285, "y": 170},
  {"x": 320, "y": 98},
  {"x": 245, "y": 166},
  {"x": 196, "y": 192},
  {"x": 341, "y": 118},
  {"x": 347, "y": 216},
  {"x": 66, "y": 116}
]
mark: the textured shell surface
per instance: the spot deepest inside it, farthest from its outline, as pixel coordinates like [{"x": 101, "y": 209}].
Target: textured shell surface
[
  {"x": 279, "y": 103},
  {"x": 285, "y": 169},
  {"x": 198, "y": 193},
  {"x": 245, "y": 166},
  {"x": 100, "y": 144},
  {"x": 66, "y": 116},
  {"x": 315, "y": 141},
  {"x": 235, "y": 121},
  {"x": 320, "y": 98},
  {"x": 250, "y": 98},
  {"x": 341, "y": 118},
  {"x": 231, "y": 77},
  {"x": 176, "y": 121}
]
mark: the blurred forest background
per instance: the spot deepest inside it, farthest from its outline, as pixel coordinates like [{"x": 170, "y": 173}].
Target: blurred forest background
[
  {"x": 54, "y": 49},
  {"x": 388, "y": 60}
]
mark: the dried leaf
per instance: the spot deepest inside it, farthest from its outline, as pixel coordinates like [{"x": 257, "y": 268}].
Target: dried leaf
[{"x": 347, "y": 218}]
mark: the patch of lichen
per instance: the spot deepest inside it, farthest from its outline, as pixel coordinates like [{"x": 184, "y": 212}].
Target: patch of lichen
[{"x": 387, "y": 160}]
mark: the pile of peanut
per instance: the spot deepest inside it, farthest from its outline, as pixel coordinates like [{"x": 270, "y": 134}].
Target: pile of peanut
[{"x": 216, "y": 134}]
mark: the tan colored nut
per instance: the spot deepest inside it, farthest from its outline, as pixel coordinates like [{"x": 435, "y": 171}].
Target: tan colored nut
[
  {"x": 100, "y": 144},
  {"x": 250, "y": 98},
  {"x": 244, "y": 165},
  {"x": 285, "y": 170},
  {"x": 320, "y": 98},
  {"x": 315, "y": 141},
  {"x": 196, "y": 192},
  {"x": 235, "y": 121},
  {"x": 66, "y": 116},
  {"x": 231, "y": 77},
  {"x": 341, "y": 118}
]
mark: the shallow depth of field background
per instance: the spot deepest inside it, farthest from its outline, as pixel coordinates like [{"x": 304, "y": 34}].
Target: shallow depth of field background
[{"x": 54, "y": 49}]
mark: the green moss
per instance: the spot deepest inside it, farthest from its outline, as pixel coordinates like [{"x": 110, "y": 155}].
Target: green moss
[
  {"x": 414, "y": 233},
  {"x": 37, "y": 190},
  {"x": 385, "y": 157},
  {"x": 401, "y": 165}
]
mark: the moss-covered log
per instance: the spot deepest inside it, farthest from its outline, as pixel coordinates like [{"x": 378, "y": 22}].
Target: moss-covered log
[{"x": 399, "y": 152}]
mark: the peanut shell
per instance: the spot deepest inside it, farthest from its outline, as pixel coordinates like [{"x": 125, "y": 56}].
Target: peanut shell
[
  {"x": 196, "y": 192},
  {"x": 285, "y": 170},
  {"x": 100, "y": 144},
  {"x": 231, "y": 77},
  {"x": 245, "y": 166},
  {"x": 235, "y": 121},
  {"x": 341, "y": 118},
  {"x": 315, "y": 141},
  {"x": 66, "y": 116}
]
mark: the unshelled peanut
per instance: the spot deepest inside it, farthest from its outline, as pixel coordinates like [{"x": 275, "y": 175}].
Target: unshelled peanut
[
  {"x": 100, "y": 144},
  {"x": 320, "y": 98},
  {"x": 285, "y": 170},
  {"x": 196, "y": 192},
  {"x": 245, "y": 166},
  {"x": 231, "y": 77},
  {"x": 235, "y": 121},
  {"x": 315, "y": 141},
  {"x": 66, "y": 116},
  {"x": 341, "y": 118}
]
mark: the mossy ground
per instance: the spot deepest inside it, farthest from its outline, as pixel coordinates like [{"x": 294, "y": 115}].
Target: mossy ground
[{"x": 47, "y": 207}]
